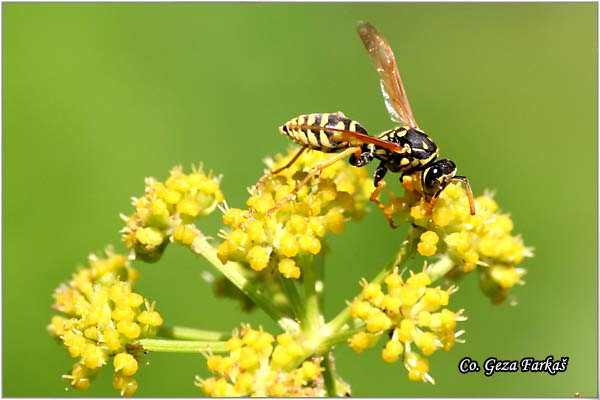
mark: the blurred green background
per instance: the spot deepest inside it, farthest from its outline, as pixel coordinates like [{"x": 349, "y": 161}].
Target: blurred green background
[{"x": 99, "y": 96}]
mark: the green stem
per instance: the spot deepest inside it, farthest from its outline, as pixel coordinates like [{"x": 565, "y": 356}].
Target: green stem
[
  {"x": 339, "y": 337},
  {"x": 319, "y": 265},
  {"x": 312, "y": 316},
  {"x": 329, "y": 376},
  {"x": 440, "y": 268},
  {"x": 201, "y": 247},
  {"x": 184, "y": 333},
  {"x": 291, "y": 291},
  {"x": 183, "y": 346},
  {"x": 406, "y": 252}
]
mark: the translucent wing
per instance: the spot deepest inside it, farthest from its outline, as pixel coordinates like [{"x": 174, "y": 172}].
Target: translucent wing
[
  {"x": 391, "y": 84},
  {"x": 349, "y": 135}
]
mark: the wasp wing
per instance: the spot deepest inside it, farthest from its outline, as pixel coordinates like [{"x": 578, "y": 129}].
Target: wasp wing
[
  {"x": 364, "y": 138},
  {"x": 391, "y": 84}
]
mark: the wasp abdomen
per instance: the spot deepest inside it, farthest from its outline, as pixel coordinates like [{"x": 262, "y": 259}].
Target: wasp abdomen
[{"x": 322, "y": 132}]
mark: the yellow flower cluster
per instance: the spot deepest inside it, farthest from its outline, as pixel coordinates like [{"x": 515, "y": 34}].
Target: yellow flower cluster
[
  {"x": 167, "y": 211},
  {"x": 484, "y": 239},
  {"x": 413, "y": 313},
  {"x": 256, "y": 366},
  {"x": 102, "y": 317},
  {"x": 262, "y": 236}
]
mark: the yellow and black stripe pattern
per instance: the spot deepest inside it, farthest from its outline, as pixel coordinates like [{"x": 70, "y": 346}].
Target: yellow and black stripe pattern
[
  {"x": 421, "y": 150},
  {"x": 318, "y": 131}
]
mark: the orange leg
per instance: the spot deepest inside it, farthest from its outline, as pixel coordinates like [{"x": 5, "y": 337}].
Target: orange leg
[
  {"x": 374, "y": 198},
  {"x": 408, "y": 181},
  {"x": 431, "y": 203},
  {"x": 317, "y": 169},
  {"x": 464, "y": 180},
  {"x": 469, "y": 195},
  {"x": 278, "y": 170}
]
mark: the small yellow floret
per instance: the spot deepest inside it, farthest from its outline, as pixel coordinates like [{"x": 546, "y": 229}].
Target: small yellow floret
[
  {"x": 110, "y": 336},
  {"x": 125, "y": 363},
  {"x": 426, "y": 342},
  {"x": 126, "y": 384},
  {"x": 310, "y": 370},
  {"x": 248, "y": 358},
  {"x": 417, "y": 367},
  {"x": 371, "y": 291},
  {"x": 441, "y": 216},
  {"x": 392, "y": 351},
  {"x": 79, "y": 377},
  {"x": 129, "y": 329},
  {"x": 288, "y": 268},
  {"x": 359, "y": 341},
  {"x": 149, "y": 236},
  {"x": 288, "y": 245},
  {"x": 335, "y": 221},
  {"x": 419, "y": 280},
  {"x": 151, "y": 318},
  {"x": 310, "y": 244},
  {"x": 426, "y": 249},
  {"x": 93, "y": 356},
  {"x": 185, "y": 234},
  {"x": 360, "y": 309},
  {"x": 506, "y": 277},
  {"x": 281, "y": 356},
  {"x": 378, "y": 321},
  {"x": 393, "y": 280},
  {"x": 258, "y": 258}
]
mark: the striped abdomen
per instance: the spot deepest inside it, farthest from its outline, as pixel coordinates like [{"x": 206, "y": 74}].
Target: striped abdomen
[{"x": 318, "y": 131}]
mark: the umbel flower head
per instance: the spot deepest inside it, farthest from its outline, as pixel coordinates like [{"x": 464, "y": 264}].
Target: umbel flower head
[
  {"x": 168, "y": 210},
  {"x": 259, "y": 365},
  {"x": 101, "y": 318},
  {"x": 262, "y": 236},
  {"x": 483, "y": 241},
  {"x": 411, "y": 315}
]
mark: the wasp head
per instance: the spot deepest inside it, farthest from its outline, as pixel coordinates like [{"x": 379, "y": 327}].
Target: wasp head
[{"x": 437, "y": 176}]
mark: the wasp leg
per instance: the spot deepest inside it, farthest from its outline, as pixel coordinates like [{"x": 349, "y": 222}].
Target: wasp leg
[
  {"x": 432, "y": 202},
  {"x": 464, "y": 180},
  {"x": 374, "y": 198},
  {"x": 380, "y": 184},
  {"x": 408, "y": 181},
  {"x": 437, "y": 194},
  {"x": 278, "y": 170},
  {"x": 316, "y": 169}
]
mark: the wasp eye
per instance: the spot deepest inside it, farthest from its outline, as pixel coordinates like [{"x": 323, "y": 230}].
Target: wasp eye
[{"x": 438, "y": 175}]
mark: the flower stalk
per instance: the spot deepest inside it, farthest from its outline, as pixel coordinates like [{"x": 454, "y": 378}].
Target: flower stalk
[
  {"x": 185, "y": 333},
  {"x": 201, "y": 247},
  {"x": 183, "y": 346}
]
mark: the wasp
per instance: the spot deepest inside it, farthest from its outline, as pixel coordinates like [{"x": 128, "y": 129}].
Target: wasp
[
  {"x": 331, "y": 133},
  {"x": 422, "y": 152},
  {"x": 405, "y": 149}
]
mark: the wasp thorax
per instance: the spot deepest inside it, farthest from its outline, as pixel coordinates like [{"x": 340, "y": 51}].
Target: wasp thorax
[{"x": 437, "y": 176}]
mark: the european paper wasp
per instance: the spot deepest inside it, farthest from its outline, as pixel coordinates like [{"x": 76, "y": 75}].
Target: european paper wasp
[
  {"x": 422, "y": 153},
  {"x": 405, "y": 149}
]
